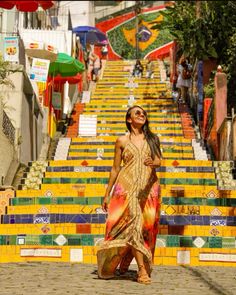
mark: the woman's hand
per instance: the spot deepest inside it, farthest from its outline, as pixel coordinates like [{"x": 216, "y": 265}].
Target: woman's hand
[
  {"x": 105, "y": 204},
  {"x": 152, "y": 163},
  {"x": 148, "y": 161}
]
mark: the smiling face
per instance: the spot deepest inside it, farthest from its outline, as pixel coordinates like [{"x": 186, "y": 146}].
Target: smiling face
[{"x": 136, "y": 117}]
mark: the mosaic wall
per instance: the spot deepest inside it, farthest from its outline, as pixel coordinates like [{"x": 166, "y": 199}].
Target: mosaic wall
[{"x": 124, "y": 31}]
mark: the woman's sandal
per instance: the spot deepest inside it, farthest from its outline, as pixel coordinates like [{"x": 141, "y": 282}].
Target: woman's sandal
[{"x": 143, "y": 278}]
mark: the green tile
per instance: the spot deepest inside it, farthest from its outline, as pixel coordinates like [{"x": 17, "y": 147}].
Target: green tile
[
  {"x": 87, "y": 240},
  {"x": 68, "y": 200},
  {"x": 173, "y": 241},
  {"x": 94, "y": 201},
  {"x": 32, "y": 240},
  {"x": 215, "y": 242},
  {"x": 2, "y": 240},
  {"x": 74, "y": 240},
  {"x": 12, "y": 240},
  {"x": 81, "y": 201},
  {"x": 46, "y": 239},
  {"x": 186, "y": 242},
  {"x": 228, "y": 242},
  {"x": 22, "y": 201},
  {"x": 45, "y": 201},
  {"x": 60, "y": 200}
]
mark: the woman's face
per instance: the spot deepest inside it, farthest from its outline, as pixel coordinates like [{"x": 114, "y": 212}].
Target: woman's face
[{"x": 137, "y": 116}]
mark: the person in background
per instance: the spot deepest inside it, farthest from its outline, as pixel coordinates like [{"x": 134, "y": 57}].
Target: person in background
[
  {"x": 150, "y": 69},
  {"x": 138, "y": 69},
  {"x": 184, "y": 79},
  {"x": 134, "y": 205},
  {"x": 104, "y": 52},
  {"x": 86, "y": 54},
  {"x": 95, "y": 63}
]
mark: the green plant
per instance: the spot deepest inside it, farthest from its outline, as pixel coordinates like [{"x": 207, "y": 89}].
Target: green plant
[
  {"x": 5, "y": 70},
  {"x": 231, "y": 72},
  {"x": 204, "y": 35},
  {"x": 209, "y": 90},
  {"x": 203, "y": 30}
]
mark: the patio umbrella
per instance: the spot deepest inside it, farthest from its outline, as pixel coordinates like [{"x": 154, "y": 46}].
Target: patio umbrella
[
  {"x": 90, "y": 35},
  {"x": 65, "y": 65},
  {"x": 102, "y": 43},
  {"x": 62, "y": 80},
  {"x": 26, "y": 6}
]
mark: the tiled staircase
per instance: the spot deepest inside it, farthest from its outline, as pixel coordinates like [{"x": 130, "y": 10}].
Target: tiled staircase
[{"x": 60, "y": 218}]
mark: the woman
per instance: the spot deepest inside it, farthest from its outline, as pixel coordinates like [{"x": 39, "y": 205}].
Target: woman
[
  {"x": 150, "y": 69},
  {"x": 96, "y": 66},
  {"x": 138, "y": 69},
  {"x": 133, "y": 209},
  {"x": 183, "y": 83},
  {"x": 104, "y": 52}
]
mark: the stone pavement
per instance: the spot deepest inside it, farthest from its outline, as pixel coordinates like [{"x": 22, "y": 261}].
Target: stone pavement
[{"x": 78, "y": 279}]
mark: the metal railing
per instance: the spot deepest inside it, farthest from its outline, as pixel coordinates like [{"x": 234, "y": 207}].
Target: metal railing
[
  {"x": 210, "y": 117},
  {"x": 8, "y": 128}
]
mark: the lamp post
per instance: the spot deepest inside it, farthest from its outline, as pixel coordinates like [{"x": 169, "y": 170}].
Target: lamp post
[{"x": 137, "y": 11}]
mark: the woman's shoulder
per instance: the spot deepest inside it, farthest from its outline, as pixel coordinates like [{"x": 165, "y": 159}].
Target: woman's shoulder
[{"x": 121, "y": 141}]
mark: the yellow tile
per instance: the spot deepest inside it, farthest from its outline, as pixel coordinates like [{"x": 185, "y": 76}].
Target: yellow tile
[
  {"x": 94, "y": 259},
  {"x": 87, "y": 259}
]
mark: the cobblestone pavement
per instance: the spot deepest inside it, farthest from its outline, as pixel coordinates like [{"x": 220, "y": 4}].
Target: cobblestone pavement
[{"x": 64, "y": 278}]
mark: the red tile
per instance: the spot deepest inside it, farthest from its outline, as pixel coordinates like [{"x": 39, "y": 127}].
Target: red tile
[{"x": 83, "y": 228}]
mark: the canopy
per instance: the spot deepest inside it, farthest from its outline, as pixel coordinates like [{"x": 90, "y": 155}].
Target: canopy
[
  {"x": 41, "y": 50},
  {"x": 61, "y": 80},
  {"x": 65, "y": 65},
  {"x": 102, "y": 43},
  {"x": 91, "y": 35},
  {"x": 26, "y": 6}
]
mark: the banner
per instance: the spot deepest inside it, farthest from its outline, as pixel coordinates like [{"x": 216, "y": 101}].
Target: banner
[
  {"x": 34, "y": 45},
  {"x": 86, "y": 97},
  {"x": 11, "y": 49},
  {"x": 56, "y": 100},
  {"x": 88, "y": 125},
  {"x": 39, "y": 70}
]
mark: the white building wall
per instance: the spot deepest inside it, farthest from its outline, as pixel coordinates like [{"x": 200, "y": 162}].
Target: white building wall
[
  {"x": 19, "y": 105},
  {"x": 81, "y": 12},
  {"x": 12, "y": 99},
  {"x": 8, "y": 20},
  {"x": 6, "y": 151},
  {"x": 61, "y": 40},
  {"x": 102, "y": 11},
  {"x": 7, "y": 26}
]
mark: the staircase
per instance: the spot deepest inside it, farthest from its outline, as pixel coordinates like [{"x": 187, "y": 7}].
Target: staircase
[{"x": 56, "y": 214}]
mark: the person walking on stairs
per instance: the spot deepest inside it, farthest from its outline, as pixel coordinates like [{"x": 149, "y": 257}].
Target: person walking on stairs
[
  {"x": 150, "y": 69},
  {"x": 138, "y": 69},
  {"x": 133, "y": 207},
  {"x": 96, "y": 66},
  {"x": 184, "y": 79}
]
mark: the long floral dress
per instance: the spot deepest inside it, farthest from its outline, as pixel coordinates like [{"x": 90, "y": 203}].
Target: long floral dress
[{"x": 133, "y": 213}]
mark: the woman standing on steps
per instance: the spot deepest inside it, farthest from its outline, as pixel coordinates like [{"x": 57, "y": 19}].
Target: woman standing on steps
[{"x": 133, "y": 208}]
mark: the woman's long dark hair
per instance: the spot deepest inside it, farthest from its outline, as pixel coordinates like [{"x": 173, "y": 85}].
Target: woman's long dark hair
[{"x": 152, "y": 139}]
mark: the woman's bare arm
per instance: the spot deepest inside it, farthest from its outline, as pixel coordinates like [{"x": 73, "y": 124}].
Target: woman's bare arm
[{"x": 114, "y": 171}]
